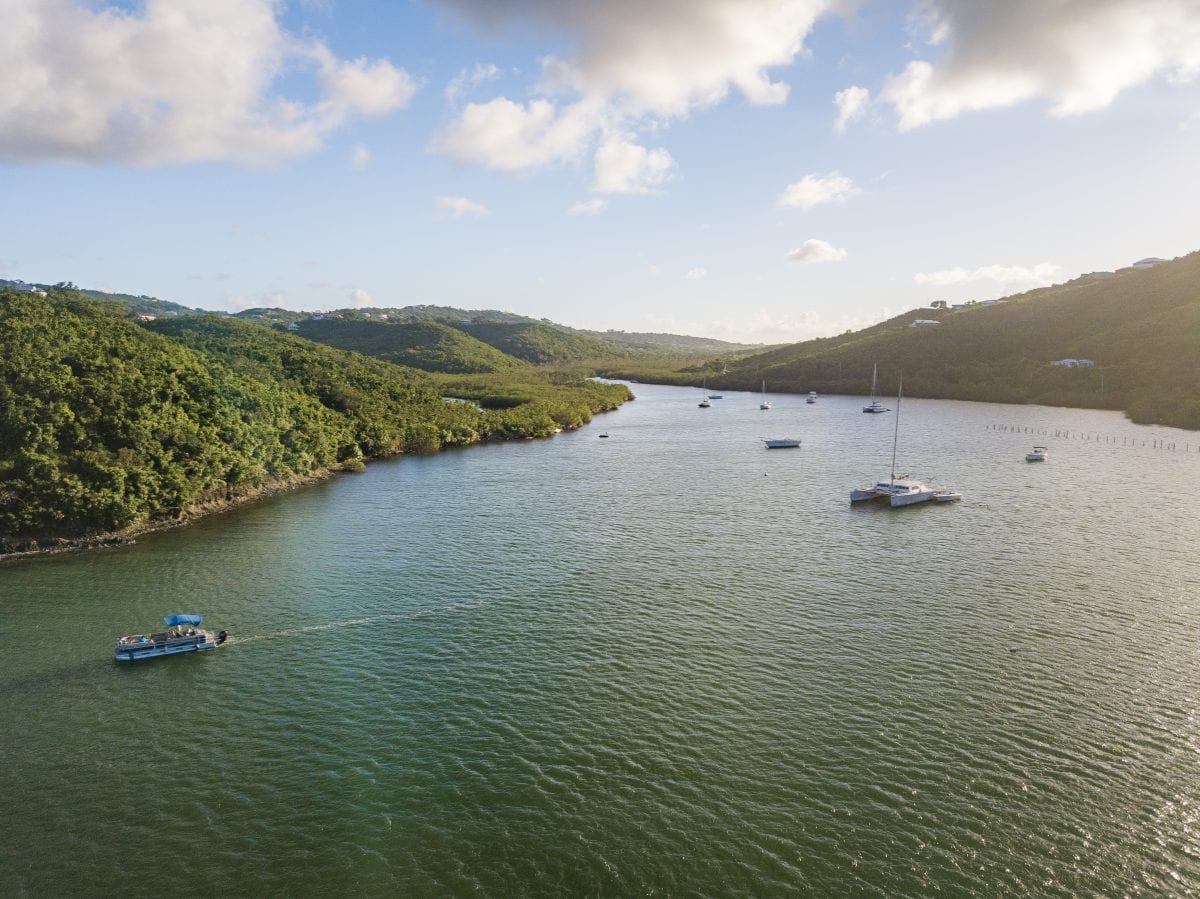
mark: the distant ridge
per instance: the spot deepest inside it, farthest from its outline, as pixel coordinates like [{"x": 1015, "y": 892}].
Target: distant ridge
[{"x": 1139, "y": 327}]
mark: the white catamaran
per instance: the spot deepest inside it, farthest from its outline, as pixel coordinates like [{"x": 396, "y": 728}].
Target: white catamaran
[{"x": 901, "y": 491}]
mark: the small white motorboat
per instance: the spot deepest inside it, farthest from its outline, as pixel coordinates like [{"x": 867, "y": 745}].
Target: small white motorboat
[{"x": 1038, "y": 455}]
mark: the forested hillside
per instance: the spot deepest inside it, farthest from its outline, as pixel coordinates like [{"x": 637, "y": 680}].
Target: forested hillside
[
  {"x": 107, "y": 425},
  {"x": 1141, "y": 328},
  {"x": 540, "y": 343},
  {"x": 427, "y": 345}
]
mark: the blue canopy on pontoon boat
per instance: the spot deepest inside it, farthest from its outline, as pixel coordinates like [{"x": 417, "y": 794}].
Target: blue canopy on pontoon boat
[{"x": 176, "y": 620}]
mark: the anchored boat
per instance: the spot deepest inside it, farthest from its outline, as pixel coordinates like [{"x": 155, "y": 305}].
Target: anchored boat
[
  {"x": 183, "y": 634},
  {"x": 875, "y": 406},
  {"x": 898, "y": 492}
]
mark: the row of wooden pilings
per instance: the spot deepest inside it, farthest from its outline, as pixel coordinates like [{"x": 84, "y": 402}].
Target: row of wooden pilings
[{"x": 1064, "y": 434}]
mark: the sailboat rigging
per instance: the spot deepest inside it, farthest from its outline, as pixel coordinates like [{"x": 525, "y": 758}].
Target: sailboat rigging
[
  {"x": 902, "y": 491},
  {"x": 875, "y": 405}
]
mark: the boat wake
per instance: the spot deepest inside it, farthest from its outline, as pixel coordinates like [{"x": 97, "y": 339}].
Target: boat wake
[{"x": 368, "y": 621}]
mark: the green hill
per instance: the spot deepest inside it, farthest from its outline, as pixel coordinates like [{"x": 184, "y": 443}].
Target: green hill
[
  {"x": 110, "y": 426},
  {"x": 1141, "y": 327},
  {"x": 669, "y": 344},
  {"x": 427, "y": 345},
  {"x": 540, "y": 343}
]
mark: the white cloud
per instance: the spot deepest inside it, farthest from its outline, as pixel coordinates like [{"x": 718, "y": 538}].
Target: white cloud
[
  {"x": 173, "y": 82},
  {"x": 362, "y": 87},
  {"x": 625, "y": 167},
  {"x": 635, "y": 64},
  {"x": 359, "y": 298},
  {"x": 360, "y": 158},
  {"x": 813, "y": 190},
  {"x": 457, "y": 207},
  {"x": 1077, "y": 53},
  {"x": 1040, "y": 275},
  {"x": 696, "y": 274},
  {"x": 514, "y": 137},
  {"x": 594, "y": 206},
  {"x": 664, "y": 56},
  {"x": 466, "y": 81},
  {"x": 851, "y": 104},
  {"x": 814, "y": 250}
]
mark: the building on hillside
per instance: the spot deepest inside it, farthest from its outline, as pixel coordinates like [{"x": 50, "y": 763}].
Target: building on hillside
[
  {"x": 923, "y": 322},
  {"x": 146, "y": 317},
  {"x": 1065, "y": 363},
  {"x": 325, "y": 316},
  {"x": 292, "y": 326},
  {"x": 1148, "y": 262},
  {"x": 1084, "y": 363}
]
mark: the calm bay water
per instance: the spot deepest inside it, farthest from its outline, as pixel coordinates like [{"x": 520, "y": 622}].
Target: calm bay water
[{"x": 670, "y": 662}]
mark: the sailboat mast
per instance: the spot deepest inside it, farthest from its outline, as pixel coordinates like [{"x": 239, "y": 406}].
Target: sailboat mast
[{"x": 896, "y": 432}]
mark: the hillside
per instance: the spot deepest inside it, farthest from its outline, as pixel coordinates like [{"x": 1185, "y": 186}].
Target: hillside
[
  {"x": 427, "y": 345},
  {"x": 146, "y": 304},
  {"x": 1141, "y": 327},
  {"x": 109, "y": 426},
  {"x": 540, "y": 343},
  {"x": 520, "y": 336},
  {"x": 427, "y": 342},
  {"x": 672, "y": 344}
]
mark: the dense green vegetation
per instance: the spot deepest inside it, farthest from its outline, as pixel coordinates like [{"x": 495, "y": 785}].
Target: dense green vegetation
[
  {"x": 1141, "y": 327},
  {"x": 107, "y": 425},
  {"x": 427, "y": 345},
  {"x": 540, "y": 343}
]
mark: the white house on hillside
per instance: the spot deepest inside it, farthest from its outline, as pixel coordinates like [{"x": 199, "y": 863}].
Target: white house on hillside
[
  {"x": 1148, "y": 262},
  {"x": 921, "y": 322}
]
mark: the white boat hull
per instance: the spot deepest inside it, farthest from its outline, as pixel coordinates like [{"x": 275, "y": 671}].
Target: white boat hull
[
  {"x": 910, "y": 499},
  {"x": 895, "y": 493}
]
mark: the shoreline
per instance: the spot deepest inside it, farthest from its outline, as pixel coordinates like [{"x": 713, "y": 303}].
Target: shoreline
[{"x": 128, "y": 536}]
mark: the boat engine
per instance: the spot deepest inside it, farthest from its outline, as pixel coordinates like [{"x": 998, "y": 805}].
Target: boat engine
[{"x": 222, "y": 637}]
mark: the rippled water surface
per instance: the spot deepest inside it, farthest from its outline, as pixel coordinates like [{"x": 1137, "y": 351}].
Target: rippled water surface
[{"x": 670, "y": 662}]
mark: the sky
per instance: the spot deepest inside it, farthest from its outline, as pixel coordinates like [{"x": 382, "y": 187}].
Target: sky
[{"x": 751, "y": 170}]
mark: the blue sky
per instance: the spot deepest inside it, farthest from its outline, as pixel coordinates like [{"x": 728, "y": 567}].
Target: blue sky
[{"x": 757, "y": 170}]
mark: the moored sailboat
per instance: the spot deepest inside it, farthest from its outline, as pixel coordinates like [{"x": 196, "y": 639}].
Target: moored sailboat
[
  {"x": 900, "y": 491},
  {"x": 875, "y": 405}
]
